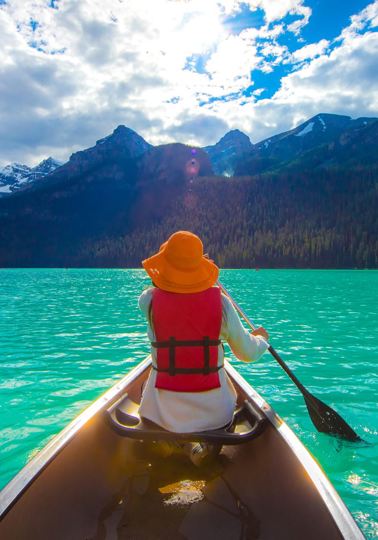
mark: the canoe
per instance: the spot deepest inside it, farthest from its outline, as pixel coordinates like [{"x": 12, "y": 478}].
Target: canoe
[{"x": 98, "y": 480}]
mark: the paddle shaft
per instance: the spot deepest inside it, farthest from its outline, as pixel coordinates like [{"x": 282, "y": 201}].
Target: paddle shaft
[
  {"x": 324, "y": 418},
  {"x": 272, "y": 351}
]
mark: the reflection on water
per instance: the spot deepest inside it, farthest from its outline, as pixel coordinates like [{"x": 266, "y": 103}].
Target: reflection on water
[{"x": 67, "y": 334}]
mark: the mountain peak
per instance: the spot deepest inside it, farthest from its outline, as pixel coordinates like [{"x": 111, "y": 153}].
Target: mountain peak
[
  {"x": 13, "y": 168},
  {"x": 124, "y": 138},
  {"x": 121, "y": 128},
  {"x": 323, "y": 121},
  {"x": 16, "y": 176},
  {"x": 330, "y": 116},
  {"x": 120, "y": 132},
  {"x": 235, "y": 135},
  {"x": 225, "y": 154},
  {"x": 47, "y": 165},
  {"x": 52, "y": 160}
]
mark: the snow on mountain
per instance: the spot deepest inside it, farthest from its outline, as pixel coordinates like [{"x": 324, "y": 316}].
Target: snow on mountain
[
  {"x": 47, "y": 166},
  {"x": 323, "y": 127},
  {"x": 318, "y": 141},
  {"x": 14, "y": 172},
  {"x": 232, "y": 155},
  {"x": 322, "y": 122},
  {"x": 16, "y": 176},
  {"x": 305, "y": 130}
]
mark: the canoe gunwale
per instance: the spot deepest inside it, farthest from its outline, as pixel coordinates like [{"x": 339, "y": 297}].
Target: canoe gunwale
[
  {"x": 31, "y": 471},
  {"x": 335, "y": 505},
  {"x": 16, "y": 487}
]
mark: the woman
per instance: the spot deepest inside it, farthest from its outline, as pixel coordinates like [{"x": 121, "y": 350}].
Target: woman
[{"x": 188, "y": 316}]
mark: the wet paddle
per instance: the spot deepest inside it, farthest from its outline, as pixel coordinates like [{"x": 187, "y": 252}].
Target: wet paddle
[{"x": 324, "y": 418}]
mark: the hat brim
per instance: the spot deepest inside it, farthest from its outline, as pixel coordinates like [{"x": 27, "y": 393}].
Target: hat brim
[{"x": 169, "y": 278}]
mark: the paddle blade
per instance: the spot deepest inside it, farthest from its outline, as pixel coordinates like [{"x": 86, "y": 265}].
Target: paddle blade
[{"x": 327, "y": 420}]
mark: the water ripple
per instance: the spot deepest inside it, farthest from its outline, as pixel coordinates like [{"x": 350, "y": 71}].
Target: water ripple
[{"x": 68, "y": 334}]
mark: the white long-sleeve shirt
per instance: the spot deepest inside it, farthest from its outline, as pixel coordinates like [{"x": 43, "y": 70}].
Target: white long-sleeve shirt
[{"x": 199, "y": 411}]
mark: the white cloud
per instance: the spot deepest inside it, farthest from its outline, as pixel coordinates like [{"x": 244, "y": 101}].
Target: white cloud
[
  {"x": 120, "y": 64},
  {"x": 344, "y": 81},
  {"x": 367, "y": 18},
  {"x": 310, "y": 51},
  {"x": 231, "y": 64},
  {"x": 274, "y": 53},
  {"x": 278, "y": 10},
  {"x": 94, "y": 65},
  {"x": 274, "y": 10}
]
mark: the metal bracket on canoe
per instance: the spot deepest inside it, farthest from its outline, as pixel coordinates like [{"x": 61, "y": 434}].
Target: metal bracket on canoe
[{"x": 123, "y": 417}]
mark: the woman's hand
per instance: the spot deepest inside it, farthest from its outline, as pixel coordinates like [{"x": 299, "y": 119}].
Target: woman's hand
[{"x": 260, "y": 331}]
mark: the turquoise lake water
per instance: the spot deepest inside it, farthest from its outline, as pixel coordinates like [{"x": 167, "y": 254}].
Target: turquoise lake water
[{"x": 66, "y": 335}]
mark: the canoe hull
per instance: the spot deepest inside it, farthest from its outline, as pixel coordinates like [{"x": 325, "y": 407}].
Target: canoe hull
[{"x": 89, "y": 484}]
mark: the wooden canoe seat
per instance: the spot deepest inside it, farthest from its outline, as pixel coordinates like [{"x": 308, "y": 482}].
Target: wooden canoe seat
[{"x": 123, "y": 417}]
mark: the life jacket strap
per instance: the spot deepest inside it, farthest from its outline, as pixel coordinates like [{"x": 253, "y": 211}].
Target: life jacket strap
[
  {"x": 188, "y": 371},
  {"x": 194, "y": 343},
  {"x": 172, "y": 343}
]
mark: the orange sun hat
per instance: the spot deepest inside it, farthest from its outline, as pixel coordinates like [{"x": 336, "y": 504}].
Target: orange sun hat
[{"x": 180, "y": 265}]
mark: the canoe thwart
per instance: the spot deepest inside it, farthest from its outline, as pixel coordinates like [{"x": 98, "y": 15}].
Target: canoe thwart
[{"x": 123, "y": 417}]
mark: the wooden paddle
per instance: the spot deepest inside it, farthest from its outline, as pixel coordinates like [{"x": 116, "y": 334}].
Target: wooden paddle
[{"x": 324, "y": 418}]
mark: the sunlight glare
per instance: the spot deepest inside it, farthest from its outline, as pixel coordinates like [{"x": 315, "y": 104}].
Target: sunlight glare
[{"x": 190, "y": 28}]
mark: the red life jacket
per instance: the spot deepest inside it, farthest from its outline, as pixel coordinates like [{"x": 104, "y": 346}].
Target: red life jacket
[{"x": 187, "y": 329}]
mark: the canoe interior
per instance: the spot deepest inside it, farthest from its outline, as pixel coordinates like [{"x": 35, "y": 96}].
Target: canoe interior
[{"x": 102, "y": 486}]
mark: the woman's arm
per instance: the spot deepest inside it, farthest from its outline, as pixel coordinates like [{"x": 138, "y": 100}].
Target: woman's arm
[
  {"x": 144, "y": 301},
  {"x": 245, "y": 346}
]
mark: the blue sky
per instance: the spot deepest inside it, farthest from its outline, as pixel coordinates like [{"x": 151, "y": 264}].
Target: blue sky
[
  {"x": 326, "y": 22},
  {"x": 178, "y": 70}
]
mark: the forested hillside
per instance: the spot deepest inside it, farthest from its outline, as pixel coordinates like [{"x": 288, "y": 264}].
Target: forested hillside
[
  {"x": 319, "y": 220},
  {"x": 304, "y": 198}
]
